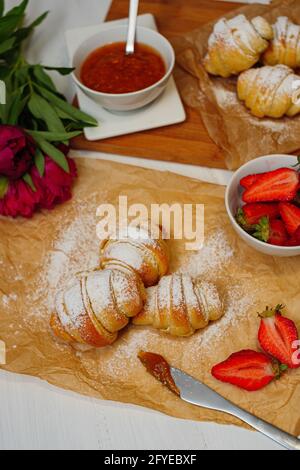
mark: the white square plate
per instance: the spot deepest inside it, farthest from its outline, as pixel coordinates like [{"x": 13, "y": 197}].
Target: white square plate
[{"x": 166, "y": 110}]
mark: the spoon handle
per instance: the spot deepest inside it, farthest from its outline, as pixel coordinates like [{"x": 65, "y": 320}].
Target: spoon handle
[{"x": 133, "y": 12}]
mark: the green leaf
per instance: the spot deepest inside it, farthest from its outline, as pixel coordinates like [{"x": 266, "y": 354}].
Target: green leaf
[
  {"x": 2, "y": 6},
  {"x": 61, "y": 70},
  {"x": 4, "y": 72},
  {"x": 68, "y": 108},
  {"x": 27, "y": 178},
  {"x": 16, "y": 108},
  {"x": 53, "y": 136},
  {"x": 7, "y": 45},
  {"x": 22, "y": 75},
  {"x": 53, "y": 153},
  {"x": 39, "y": 20},
  {"x": 39, "y": 161},
  {"x": 7, "y": 25},
  {"x": 262, "y": 232},
  {"x": 18, "y": 10},
  {"x": 64, "y": 115},
  {"x": 41, "y": 109},
  {"x": 43, "y": 77},
  {"x": 3, "y": 186},
  {"x": 23, "y": 33}
]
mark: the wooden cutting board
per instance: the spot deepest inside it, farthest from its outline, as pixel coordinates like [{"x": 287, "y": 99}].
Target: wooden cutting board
[{"x": 188, "y": 142}]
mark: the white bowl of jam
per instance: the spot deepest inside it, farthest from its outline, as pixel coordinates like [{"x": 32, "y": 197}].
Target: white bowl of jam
[{"x": 121, "y": 82}]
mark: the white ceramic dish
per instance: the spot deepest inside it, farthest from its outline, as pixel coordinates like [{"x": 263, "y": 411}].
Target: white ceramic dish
[
  {"x": 233, "y": 200},
  {"x": 166, "y": 110},
  {"x": 125, "y": 101}
]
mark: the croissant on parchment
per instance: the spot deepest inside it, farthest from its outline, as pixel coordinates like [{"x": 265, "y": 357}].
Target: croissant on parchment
[
  {"x": 180, "y": 305},
  {"x": 270, "y": 91},
  {"x": 236, "y": 45},
  {"x": 97, "y": 306},
  {"x": 148, "y": 257},
  {"x": 285, "y": 47}
]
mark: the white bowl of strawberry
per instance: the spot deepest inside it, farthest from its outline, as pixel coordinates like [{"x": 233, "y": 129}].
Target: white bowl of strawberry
[{"x": 263, "y": 204}]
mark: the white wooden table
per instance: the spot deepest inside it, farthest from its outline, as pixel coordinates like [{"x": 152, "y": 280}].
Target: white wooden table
[{"x": 35, "y": 415}]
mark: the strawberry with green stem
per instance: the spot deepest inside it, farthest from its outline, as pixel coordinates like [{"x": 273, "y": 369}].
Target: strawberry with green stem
[
  {"x": 271, "y": 231},
  {"x": 278, "y": 336},
  {"x": 251, "y": 214}
]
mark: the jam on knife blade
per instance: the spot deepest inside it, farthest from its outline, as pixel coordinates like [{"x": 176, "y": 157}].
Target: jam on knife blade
[{"x": 157, "y": 366}]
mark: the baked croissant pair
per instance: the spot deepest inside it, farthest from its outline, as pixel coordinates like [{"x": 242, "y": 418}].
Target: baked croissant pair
[
  {"x": 238, "y": 44},
  {"x": 99, "y": 304},
  {"x": 274, "y": 90}
]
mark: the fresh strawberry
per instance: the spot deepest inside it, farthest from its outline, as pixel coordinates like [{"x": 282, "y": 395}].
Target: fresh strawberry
[
  {"x": 278, "y": 234},
  {"x": 251, "y": 214},
  {"x": 296, "y": 201},
  {"x": 278, "y": 336},
  {"x": 249, "y": 180},
  {"x": 278, "y": 185},
  {"x": 291, "y": 216},
  {"x": 294, "y": 240},
  {"x": 248, "y": 370},
  {"x": 271, "y": 231}
]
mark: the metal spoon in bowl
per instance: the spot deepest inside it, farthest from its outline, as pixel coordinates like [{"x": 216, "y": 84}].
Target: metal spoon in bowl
[{"x": 133, "y": 12}]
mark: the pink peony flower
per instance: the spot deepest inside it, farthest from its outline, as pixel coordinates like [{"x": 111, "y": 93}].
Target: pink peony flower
[
  {"x": 53, "y": 188},
  {"x": 17, "y": 151},
  {"x": 20, "y": 200}
]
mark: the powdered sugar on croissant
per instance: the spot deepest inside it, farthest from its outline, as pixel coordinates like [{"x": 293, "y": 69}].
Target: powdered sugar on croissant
[
  {"x": 236, "y": 45},
  {"x": 137, "y": 250},
  {"x": 180, "y": 305},
  {"x": 270, "y": 91},
  {"x": 97, "y": 306},
  {"x": 285, "y": 47}
]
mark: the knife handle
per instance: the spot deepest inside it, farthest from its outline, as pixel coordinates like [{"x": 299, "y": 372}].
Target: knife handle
[
  {"x": 281, "y": 437},
  {"x": 196, "y": 393}
]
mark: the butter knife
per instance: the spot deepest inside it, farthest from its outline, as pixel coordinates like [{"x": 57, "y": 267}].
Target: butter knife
[{"x": 194, "y": 392}]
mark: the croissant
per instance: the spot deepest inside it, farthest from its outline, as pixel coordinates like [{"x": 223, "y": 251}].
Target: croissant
[
  {"x": 97, "y": 306},
  {"x": 285, "y": 47},
  {"x": 236, "y": 45},
  {"x": 180, "y": 305},
  {"x": 148, "y": 257},
  {"x": 270, "y": 91}
]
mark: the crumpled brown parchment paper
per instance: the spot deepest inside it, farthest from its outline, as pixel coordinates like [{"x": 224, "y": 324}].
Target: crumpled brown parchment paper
[
  {"x": 241, "y": 136},
  {"x": 39, "y": 256}
]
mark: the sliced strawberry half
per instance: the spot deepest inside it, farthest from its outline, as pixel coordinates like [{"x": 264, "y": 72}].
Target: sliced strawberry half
[
  {"x": 294, "y": 240},
  {"x": 291, "y": 216},
  {"x": 248, "y": 370},
  {"x": 249, "y": 180},
  {"x": 271, "y": 231},
  {"x": 251, "y": 214},
  {"x": 278, "y": 185},
  {"x": 278, "y": 336}
]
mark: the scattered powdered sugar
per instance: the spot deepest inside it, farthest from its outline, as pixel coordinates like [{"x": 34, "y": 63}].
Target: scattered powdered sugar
[
  {"x": 76, "y": 250},
  {"x": 239, "y": 302},
  {"x": 125, "y": 352},
  {"x": 224, "y": 96},
  {"x": 216, "y": 253},
  {"x": 7, "y": 299}
]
